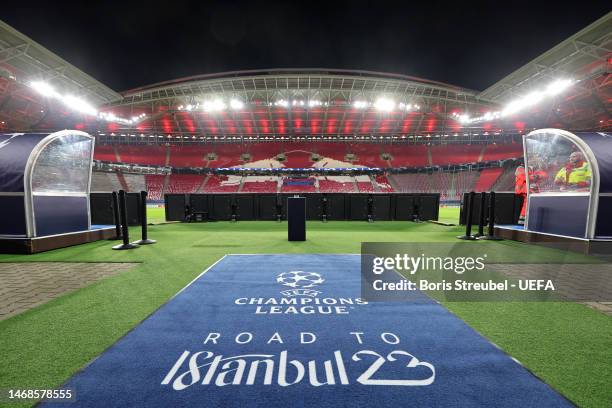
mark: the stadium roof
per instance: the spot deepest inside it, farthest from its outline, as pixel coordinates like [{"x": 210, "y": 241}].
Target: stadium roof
[
  {"x": 306, "y": 103},
  {"x": 281, "y": 102},
  {"x": 583, "y": 55},
  {"x": 25, "y": 60},
  {"x": 586, "y": 57}
]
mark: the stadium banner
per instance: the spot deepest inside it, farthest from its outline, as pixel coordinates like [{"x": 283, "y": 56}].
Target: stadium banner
[
  {"x": 293, "y": 330},
  {"x": 464, "y": 272}
]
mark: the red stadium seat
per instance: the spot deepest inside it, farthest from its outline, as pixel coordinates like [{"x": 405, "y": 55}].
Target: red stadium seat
[
  {"x": 142, "y": 154},
  {"x": 155, "y": 186},
  {"x": 184, "y": 183},
  {"x": 455, "y": 154},
  {"x": 502, "y": 151},
  {"x": 487, "y": 178},
  {"x": 338, "y": 184},
  {"x": 222, "y": 184},
  {"x": 260, "y": 184},
  {"x": 105, "y": 153}
]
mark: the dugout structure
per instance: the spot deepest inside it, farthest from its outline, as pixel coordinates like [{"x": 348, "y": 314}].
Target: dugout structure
[
  {"x": 44, "y": 190},
  {"x": 570, "y": 187}
]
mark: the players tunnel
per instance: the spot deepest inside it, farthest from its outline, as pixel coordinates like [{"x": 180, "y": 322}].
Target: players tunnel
[
  {"x": 44, "y": 183},
  {"x": 569, "y": 184}
]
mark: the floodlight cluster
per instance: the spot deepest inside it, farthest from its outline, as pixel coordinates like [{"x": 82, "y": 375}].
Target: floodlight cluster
[
  {"x": 111, "y": 117},
  {"x": 218, "y": 105},
  {"x": 213, "y": 105},
  {"x": 79, "y": 105},
  {"x": 311, "y": 103},
  {"x": 531, "y": 99},
  {"x": 383, "y": 104},
  {"x": 304, "y": 137}
]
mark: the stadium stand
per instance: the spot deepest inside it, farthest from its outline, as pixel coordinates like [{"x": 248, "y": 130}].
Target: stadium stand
[
  {"x": 299, "y": 185},
  {"x": 487, "y": 178},
  {"x": 335, "y": 151},
  {"x": 189, "y": 156},
  {"x": 222, "y": 184},
  {"x": 506, "y": 180},
  {"x": 464, "y": 181},
  {"x": 502, "y": 151},
  {"x": 455, "y": 154},
  {"x": 261, "y": 151},
  {"x": 228, "y": 155},
  {"x": 368, "y": 155},
  {"x": 184, "y": 183},
  {"x": 405, "y": 155},
  {"x": 450, "y": 185},
  {"x": 383, "y": 184},
  {"x": 122, "y": 181},
  {"x": 142, "y": 154},
  {"x": 364, "y": 184},
  {"x": 337, "y": 184},
  {"x": 297, "y": 159},
  {"x": 298, "y": 155},
  {"x": 155, "y": 186},
  {"x": 267, "y": 184},
  {"x": 135, "y": 182},
  {"x": 421, "y": 182},
  {"x": 101, "y": 182},
  {"x": 105, "y": 153}
]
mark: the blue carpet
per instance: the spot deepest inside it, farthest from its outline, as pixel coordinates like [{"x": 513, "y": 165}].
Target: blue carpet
[{"x": 438, "y": 360}]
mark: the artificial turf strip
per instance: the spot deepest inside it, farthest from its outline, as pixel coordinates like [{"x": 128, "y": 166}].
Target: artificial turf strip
[{"x": 567, "y": 345}]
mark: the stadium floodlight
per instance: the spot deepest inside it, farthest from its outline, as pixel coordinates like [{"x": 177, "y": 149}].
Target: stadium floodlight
[
  {"x": 558, "y": 86},
  {"x": 360, "y": 104},
  {"x": 531, "y": 99},
  {"x": 313, "y": 102},
  {"x": 44, "y": 89},
  {"x": 79, "y": 105},
  {"x": 464, "y": 118},
  {"x": 236, "y": 104},
  {"x": 109, "y": 116},
  {"x": 384, "y": 104},
  {"x": 215, "y": 105},
  {"x": 408, "y": 107},
  {"x": 282, "y": 102}
]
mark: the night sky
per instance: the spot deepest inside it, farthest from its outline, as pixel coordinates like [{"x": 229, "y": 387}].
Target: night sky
[{"x": 131, "y": 44}]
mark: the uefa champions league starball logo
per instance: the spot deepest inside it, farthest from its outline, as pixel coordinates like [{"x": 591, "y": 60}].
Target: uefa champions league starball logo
[
  {"x": 300, "y": 279},
  {"x": 300, "y": 282}
]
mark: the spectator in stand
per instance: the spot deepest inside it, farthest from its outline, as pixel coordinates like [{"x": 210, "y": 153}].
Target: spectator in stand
[{"x": 575, "y": 175}]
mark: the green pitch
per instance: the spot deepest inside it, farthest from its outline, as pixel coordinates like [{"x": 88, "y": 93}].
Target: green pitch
[{"x": 567, "y": 345}]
